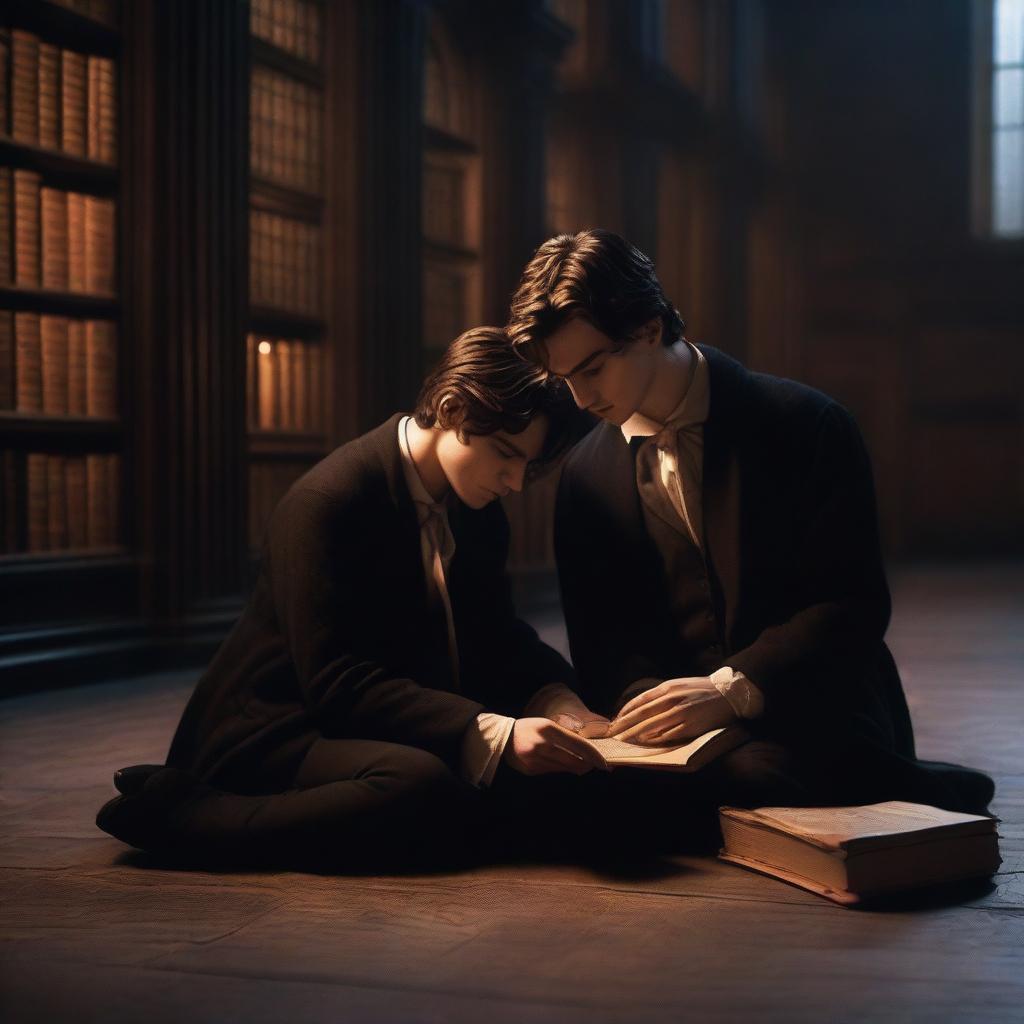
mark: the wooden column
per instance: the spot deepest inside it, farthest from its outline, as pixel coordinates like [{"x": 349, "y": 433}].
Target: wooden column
[
  {"x": 387, "y": 267},
  {"x": 186, "y": 77},
  {"x": 519, "y": 80}
]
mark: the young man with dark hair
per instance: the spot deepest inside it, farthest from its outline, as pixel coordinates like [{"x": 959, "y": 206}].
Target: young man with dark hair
[
  {"x": 379, "y": 674},
  {"x": 718, "y": 548}
]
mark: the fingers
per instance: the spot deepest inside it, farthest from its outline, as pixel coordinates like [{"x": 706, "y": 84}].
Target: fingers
[
  {"x": 644, "y": 713},
  {"x": 642, "y": 698},
  {"x": 645, "y": 731},
  {"x": 596, "y": 729},
  {"x": 571, "y": 743}
]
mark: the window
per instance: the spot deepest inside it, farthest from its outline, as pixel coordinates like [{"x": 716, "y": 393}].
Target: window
[{"x": 999, "y": 119}]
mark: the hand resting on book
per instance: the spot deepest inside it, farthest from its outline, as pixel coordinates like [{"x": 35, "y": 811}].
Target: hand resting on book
[{"x": 672, "y": 712}]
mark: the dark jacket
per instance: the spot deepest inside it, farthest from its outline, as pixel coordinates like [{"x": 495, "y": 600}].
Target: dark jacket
[
  {"x": 797, "y": 580},
  {"x": 338, "y": 638}
]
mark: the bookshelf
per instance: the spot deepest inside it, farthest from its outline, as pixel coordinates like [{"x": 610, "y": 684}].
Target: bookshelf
[
  {"x": 287, "y": 352},
  {"x": 452, "y": 193},
  {"x": 61, "y": 428}
]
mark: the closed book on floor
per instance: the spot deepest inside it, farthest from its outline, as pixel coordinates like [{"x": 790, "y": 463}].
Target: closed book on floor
[
  {"x": 851, "y": 853},
  {"x": 686, "y": 757}
]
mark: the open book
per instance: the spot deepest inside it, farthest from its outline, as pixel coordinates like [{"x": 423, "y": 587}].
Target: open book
[
  {"x": 686, "y": 758},
  {"x": 849, "y": 853}
]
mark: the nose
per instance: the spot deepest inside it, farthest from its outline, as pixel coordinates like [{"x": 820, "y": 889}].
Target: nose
[
  {"x": 579, "y": 394},
  {"x": 515, "y": 476}
]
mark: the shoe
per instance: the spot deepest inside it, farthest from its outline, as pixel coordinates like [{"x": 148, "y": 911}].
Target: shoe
[
  {"x": 132, "y": 779},
  {"x": 126, "y": 818}
]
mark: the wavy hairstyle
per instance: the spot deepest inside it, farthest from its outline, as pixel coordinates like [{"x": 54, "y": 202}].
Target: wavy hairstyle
[
  {"x": 481, "y": 386},
  {"x": 596, "y": 275}
]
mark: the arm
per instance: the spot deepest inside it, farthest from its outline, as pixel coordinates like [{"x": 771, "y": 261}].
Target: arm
[
  {"x": 842, "y": 598},
  {"x": 613, "y": 640},
  {"x": 319, "y": 577}
]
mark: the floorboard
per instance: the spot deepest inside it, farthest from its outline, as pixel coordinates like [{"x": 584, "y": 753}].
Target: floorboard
[{"x": 91, "y": 933}]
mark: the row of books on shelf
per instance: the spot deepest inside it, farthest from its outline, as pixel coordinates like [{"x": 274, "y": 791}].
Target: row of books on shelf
[
  {"x": 291, "y": 25},
  {"x": 60, "y": 502},
  {"x": 286, "y": 130},
  {"x": 57, "y": 98},
  {"x": 284, "y": 385},
  {"x": 286, "y": 263},
  {"x": 62, "y": 240},
  {"x": 268, "y": 482},
  {"x": 57, "y": 365}
]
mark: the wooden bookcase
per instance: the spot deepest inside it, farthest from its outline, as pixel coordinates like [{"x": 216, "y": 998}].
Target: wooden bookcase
[
  {"x": 287, "y": 346},
  {"x": 62, "y": 344}
]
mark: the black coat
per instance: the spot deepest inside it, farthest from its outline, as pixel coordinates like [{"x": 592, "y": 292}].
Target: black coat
[
  {"x": 338, "y": 638},
  {"x": 794, "y": 557}
]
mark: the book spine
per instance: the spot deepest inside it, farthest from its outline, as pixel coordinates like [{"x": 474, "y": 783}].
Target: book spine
[
  {"x": 73, "y": 82},
  {"x": 96, "y": 497},
  {"x": 77, "y": 503},
  {"x": 54, "y": 337},
  {"x": 28, "y": 363},
  {"x": 6, "y": 234},
  {"x": 49, "y": 96},
  {"x": 8, "y": 379},
  {"x": 26, "y": 229},
  {"x": 25, "y": 87},
  {"x": 100, "y": 369},
  {"x": 77, "y": 369},
  {"x": 266, "y": 383},
  {"x": 56, "y": 503},
  {"x": 92, "y": 108},
  {"x": 316, "y": 357},
  {"x": 38, "y": 511},
  {"x": 282, "y": 351},
  {"x": 107, "y": 111},
  {"x": 300, "y": 399},
  {"x": 5, "y": 91},
  {"x": 76, "y": 242},
  {"x": 113, "y": 499},
  {"x": 54, "y": 216},
  {"x": 99, "y": 245}
]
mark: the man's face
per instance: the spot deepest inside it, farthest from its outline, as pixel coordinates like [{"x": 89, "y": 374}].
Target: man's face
[
  {"x": 610, "y": 384},
  {"x": 488, "y": 466}
]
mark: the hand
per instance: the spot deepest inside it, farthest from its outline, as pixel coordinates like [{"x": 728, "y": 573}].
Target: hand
[
  {"x": 538, "y": 746},
  {"x": 583, "y": 723},
  {"x": 672, "y": 712}
]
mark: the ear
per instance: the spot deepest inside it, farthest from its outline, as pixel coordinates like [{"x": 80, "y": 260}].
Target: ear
[{"x": 651, "y": 331}]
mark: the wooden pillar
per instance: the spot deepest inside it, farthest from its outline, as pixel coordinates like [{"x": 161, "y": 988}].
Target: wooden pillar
[
  {"x": 519, "y": 82},
  {"x": 186, "y": 76},
  {"x": 388, "y": 265}
]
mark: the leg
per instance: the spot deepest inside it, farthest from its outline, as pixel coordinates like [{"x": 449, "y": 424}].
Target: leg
[{"x": 352, "y": 803}]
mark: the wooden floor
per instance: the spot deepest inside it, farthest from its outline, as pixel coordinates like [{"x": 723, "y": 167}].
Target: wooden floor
[{"x": 90, "y": 935}]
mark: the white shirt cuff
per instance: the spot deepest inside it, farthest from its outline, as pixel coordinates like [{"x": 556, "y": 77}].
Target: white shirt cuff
[
  {"x": 553, "y": 699},
  {"x": 743, "y": 696},
  {"x": 482, "y": 747}
]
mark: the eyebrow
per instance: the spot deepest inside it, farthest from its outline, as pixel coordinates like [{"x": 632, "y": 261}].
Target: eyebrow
[
  {"x": 508, "y": 443},
  {"x": 586, "y": 362}
]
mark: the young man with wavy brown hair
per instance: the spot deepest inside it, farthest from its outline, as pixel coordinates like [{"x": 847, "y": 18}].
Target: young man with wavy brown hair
[{"x": 717, "y": 547}]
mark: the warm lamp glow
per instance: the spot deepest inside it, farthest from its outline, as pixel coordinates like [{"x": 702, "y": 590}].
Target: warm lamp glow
[{"x": 264, "y": 348}]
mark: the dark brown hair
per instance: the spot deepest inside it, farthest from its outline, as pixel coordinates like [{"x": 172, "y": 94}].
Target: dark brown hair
[
  {"x": 596, "y": 275},
  {"x": 481, "y": 386}
]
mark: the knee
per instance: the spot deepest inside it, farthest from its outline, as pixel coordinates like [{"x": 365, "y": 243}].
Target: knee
[{"x": 413, "y": 773}]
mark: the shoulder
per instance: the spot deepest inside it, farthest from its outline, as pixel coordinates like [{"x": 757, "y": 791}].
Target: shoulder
[
  {"x": 595, "y": 452},
  {"x": 352, "y": 480}
]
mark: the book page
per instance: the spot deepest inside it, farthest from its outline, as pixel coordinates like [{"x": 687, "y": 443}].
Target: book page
[{"x": 843, "y": 825}]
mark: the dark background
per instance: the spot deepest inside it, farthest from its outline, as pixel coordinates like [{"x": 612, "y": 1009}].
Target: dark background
[{"x": 812, "y": 180}]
